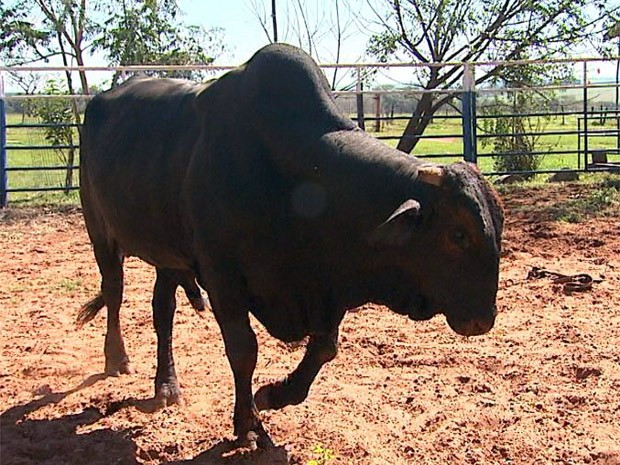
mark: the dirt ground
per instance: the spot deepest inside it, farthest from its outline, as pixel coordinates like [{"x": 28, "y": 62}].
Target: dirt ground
[{"x": 542, "y": 387}]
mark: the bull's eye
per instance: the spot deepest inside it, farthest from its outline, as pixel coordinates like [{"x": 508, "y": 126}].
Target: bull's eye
[{"x": 460, "y": 238}]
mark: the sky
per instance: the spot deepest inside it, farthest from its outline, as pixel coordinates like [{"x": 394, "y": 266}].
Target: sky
[
  {"x": 243, "y": 34},
  {"x": 242, "y": 31}
]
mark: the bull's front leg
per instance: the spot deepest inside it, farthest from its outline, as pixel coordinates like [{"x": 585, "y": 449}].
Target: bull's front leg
[
  {"x": 294, "y": 389},
  {"x": 241, "y": 350}
]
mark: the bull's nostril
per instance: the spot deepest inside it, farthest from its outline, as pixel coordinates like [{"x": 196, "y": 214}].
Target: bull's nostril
[
  {"x": 482, "y": 327},
  {"x": 471, "y": 326},
  {"x": 475, "y": 328}
]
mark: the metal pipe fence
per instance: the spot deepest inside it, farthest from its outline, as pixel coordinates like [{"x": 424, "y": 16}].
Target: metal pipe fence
[{"x": 472, "y": 125}]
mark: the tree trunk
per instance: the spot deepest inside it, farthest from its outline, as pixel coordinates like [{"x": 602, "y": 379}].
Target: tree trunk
[{"x": 419, "y": 121}]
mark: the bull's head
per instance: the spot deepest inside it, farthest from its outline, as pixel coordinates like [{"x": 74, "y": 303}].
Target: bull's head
[{"x": 446, "y": 246}]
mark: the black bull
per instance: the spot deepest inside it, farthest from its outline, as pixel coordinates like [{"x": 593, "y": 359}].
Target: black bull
[{"x": 256, "y": 187}]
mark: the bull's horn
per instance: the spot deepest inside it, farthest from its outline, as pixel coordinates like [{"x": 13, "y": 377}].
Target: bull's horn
[{"x": 431, "y": 174}]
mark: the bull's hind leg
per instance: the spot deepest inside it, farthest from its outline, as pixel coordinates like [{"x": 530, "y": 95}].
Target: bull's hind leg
[
  {"x": 167, "y": 390},
  {"x": 294, "y": 389},
  {"x": 110, "y": 264}
]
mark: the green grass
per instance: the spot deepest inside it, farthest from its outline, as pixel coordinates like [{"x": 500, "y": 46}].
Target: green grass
[
  {"x": 70, "y": 285},
  {"x": 44, "y": 199},
  {"x": 597, "y": 202},
  {"x": 601, "y": 198}
]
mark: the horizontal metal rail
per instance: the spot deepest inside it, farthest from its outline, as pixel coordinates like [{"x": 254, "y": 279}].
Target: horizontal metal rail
[
  {"x": 600, "y": 133},
  {"x": 598, "y": 114},
  {"x": 41, "y": 168},
  {"x": 42, "y": 147},
  {"x": 212, "y": 67},
  {"x": 455, "y": 90},
  {"x": 42, "y": 189},
  {"x": 532, "y": 133},
  {"x": 42, "y": 125},
  {"x": 422, "y": 136}
]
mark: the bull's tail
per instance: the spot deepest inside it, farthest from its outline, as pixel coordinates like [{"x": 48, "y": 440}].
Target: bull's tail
[{"x": 89, "y": 310}]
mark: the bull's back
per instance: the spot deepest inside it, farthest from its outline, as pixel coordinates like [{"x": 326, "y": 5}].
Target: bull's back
[{"x": 136, "y": 144}]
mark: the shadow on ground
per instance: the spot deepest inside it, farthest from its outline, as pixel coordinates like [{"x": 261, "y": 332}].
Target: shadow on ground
[{"x": 26, "y": 441}]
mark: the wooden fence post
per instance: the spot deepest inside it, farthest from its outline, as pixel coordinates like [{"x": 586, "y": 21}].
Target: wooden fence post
[{"x": 378, "y": 112}]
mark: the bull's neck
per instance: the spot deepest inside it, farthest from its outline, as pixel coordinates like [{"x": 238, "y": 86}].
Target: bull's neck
[{"x": 363, "y": 173}]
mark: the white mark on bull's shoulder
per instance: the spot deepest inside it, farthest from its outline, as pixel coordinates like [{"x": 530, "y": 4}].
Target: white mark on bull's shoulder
[{"x": 308, "y": 200}]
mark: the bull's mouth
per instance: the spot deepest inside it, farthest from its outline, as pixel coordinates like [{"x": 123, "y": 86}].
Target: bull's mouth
[{"x": 418, "y": 308}]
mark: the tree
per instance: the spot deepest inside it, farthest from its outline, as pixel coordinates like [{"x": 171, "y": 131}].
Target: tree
[
  {"x": 61, "y": 30},
  {"x": 137, "y": 32},
  {"x": 427, "y": 31},
  {"x": 21, "y": 41},
  {"x": 149, "y": 32},
  {"x": 35, "y": 30},
  {"x": 518, "y": 119},
  {"x": 29, "y": 83}
]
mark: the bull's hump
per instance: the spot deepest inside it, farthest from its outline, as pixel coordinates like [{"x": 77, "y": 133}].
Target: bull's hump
[{"x": 287, "y": 88}]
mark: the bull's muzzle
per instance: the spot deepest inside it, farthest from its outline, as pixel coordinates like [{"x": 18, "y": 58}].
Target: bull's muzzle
[{"x": 473, "y": 326}]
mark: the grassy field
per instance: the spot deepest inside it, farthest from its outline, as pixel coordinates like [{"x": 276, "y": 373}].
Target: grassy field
[{"x": 451, "y": 145}]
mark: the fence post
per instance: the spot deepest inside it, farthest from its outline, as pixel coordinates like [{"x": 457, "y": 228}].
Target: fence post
[
  {"x": 359, "y": 88},
  {"x": 585, "y": 120},
  {"x": 378, "y": 113},
  {"x": 3, "y": 160},
  {"x": 469, "y": 115}
]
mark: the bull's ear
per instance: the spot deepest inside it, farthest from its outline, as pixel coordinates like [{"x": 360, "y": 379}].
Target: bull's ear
[{"x": 400, "y": 225}]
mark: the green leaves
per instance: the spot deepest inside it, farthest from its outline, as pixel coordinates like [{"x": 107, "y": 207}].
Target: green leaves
[
  {"x": 383, "y": 45},
  {"x": 468, "y": 30},
  {"x": 148, "y": 32},
  {"x": 128, "y": 32},
  {"x": 55, "y": 112},
  {"x": 20, "y": 36},
  {"x": 481, "y": 30}
]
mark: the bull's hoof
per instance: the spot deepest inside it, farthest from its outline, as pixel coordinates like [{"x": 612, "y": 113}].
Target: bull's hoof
[
  {"x": 119, "y": 368},
  {"x": 255, "y": 440},
  {"x": 272, "y": 396},
  {"x": 197, "y": 303},
  {"x": 262, "y": 398},
  {"x": 278, "y": 395},
  {"x": 166, "y": 395}
]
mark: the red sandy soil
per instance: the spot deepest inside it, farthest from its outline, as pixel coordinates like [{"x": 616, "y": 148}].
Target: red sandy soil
[{"x": 542, "y": 387}]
